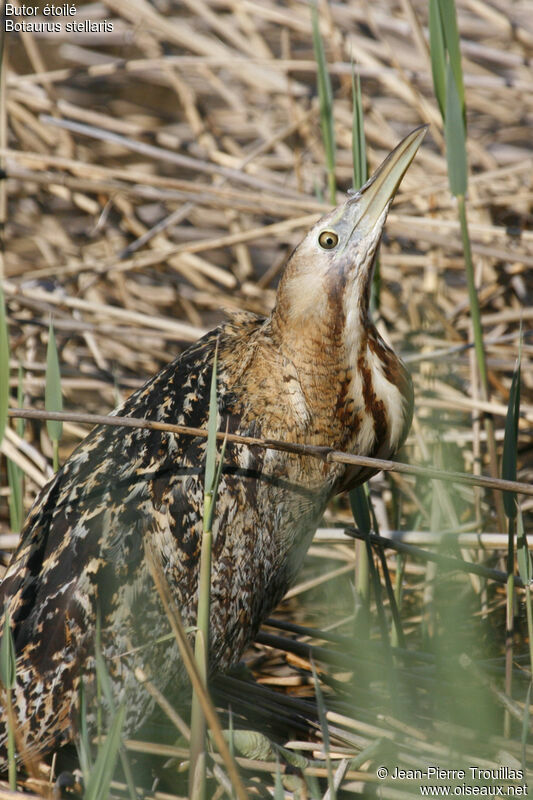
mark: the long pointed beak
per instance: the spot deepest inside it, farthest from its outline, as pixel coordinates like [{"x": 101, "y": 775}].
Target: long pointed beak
[{"x": 378, "y": 192}]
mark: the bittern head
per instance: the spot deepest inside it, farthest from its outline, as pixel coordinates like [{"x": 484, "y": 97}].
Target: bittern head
[{"x": 335, "y": 260}]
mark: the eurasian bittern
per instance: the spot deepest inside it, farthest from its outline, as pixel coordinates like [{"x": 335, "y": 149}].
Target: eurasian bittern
[{"x": 315, "y": 371}]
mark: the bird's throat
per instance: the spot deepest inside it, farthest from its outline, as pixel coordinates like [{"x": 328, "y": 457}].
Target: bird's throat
[{"x": 356, "y": 390}]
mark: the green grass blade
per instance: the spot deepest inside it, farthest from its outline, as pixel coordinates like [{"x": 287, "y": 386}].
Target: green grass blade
[
  {"x": 279, "y": 793},
  {"x": 446, "y": 44},
  {"x": 454, "y": 131},
  {"x": 101, "y": 670},
  {"x": 358, "y": 135},
  {"x": 216, "y": 482},
  {"x": 321, "y": 707},
  {"x": 509, "y": 622},
  {"x": 525, "y": 727},
  {"x": 361, "y": 513},
  {"x": 231, "y": 743},
  {"x": 83, "y": 745},
  {"x": 104, "y": 685},
  {"x": 8, "y": 661},
  {"x": 438, "y": 57},
  {"x": 523, "y": 556},
  {"x": 325, "y": 98},
  {"x": 360, "y": 509},
  {"x": 53, "y": 400},
  {"x": 360, "y": 173},
  {"x": 19, "y": 425},
  {"x": 525, "y": 569},
  {"x": 197, "y": 769},
  {"x": 510, "y": 441},
  {"x": 8, "y": 673},
  {"x": 312, "y": 785},
  {"x": 104, "y": 766},
  {"x": 211, "y": 446},
  {"x": 452, "y": 41},
  {"x": 211, "y": 473},
  {"x": 14, "y": 481},
  {"x": 15, "y": 475},
  {"x": 197, "y": 773},
  {"x": 4, "y": 366},
  {"x": 449, "y": 89}
]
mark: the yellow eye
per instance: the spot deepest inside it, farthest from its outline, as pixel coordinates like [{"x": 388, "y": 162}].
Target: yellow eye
[{"x": 328, "y": 240}]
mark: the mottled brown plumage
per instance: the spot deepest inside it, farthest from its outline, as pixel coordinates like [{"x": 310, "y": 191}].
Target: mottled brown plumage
[{"x": 314, "y": 371}]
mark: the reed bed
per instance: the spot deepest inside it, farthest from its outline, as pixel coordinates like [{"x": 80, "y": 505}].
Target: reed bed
[{"x": 155, "y": 177}]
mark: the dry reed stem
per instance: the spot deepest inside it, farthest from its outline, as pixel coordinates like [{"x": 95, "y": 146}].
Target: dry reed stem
[
  {"x": 327, "y": 454},
  {"x": 163, "y": 172}
]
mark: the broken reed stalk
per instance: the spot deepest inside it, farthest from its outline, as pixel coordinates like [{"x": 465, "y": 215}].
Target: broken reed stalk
[{"x": 323, "y": 453}]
